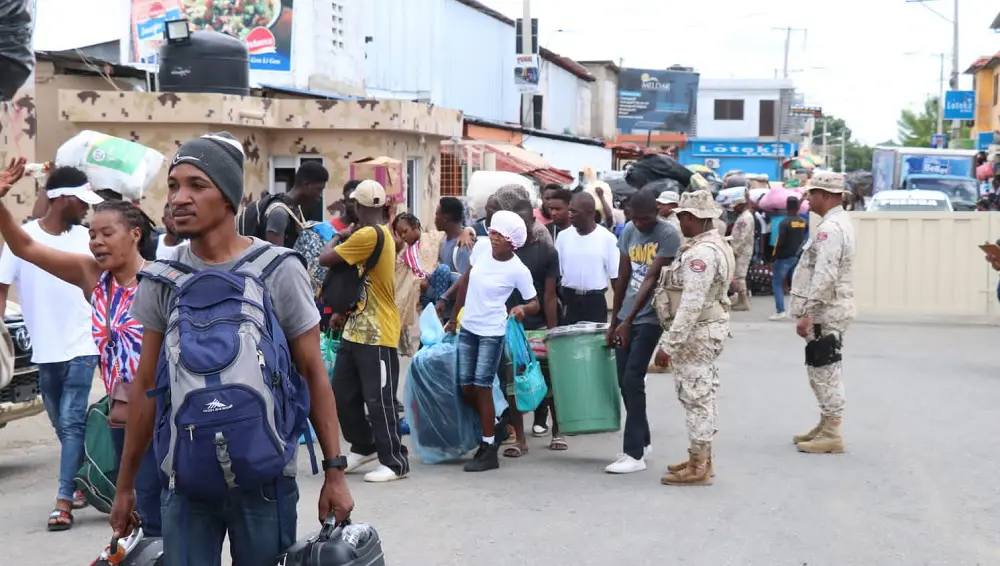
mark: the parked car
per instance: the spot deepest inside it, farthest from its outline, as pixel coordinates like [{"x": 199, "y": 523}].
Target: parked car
[
  {"x": 21, "y": 397},
  {"x": 962, "y": 191},
  {"x": 909, "y": 201}
]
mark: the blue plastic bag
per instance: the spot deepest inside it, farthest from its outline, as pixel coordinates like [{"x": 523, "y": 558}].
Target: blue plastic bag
[
  {"x": 529, "y": 383},
  {"x": 431, "y": 330},
  {"x": 442, "y": 426}
]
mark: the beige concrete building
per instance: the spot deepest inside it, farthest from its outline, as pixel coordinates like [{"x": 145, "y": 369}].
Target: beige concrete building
[{"x": 275, "y": 131}]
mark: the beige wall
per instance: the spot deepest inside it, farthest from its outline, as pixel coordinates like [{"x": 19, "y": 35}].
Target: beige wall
[
  {"x": 925, "y": 263},
  {"x": 18, "y": 134}
]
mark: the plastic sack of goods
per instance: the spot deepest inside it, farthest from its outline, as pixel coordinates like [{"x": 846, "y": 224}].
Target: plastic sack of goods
[
  {"x": 442, "y": 426},
  {"x": 111, "y": 163},
  {"x": 17, "y": 59}
]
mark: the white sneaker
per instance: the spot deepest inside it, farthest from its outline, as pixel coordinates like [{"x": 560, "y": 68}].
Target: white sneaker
[
  {"x": 355, "y": 461},
  {"x": 382, "y": 474},
  {"x": 626, "y": 465},
  {"x": 779, "y": 316},
  {"x": 647, "y": 450}
]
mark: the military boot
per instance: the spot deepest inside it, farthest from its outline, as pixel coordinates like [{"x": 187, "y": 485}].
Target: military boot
[
  {"x": 674, "y": 468},
  {"x": 697, "y": 470},
  {"x": 742, "y": 302},
  {"x": 827, "y": 441},
  {"x": 811, "y": 434}
]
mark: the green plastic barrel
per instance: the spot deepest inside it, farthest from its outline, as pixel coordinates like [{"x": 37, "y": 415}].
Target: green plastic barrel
[{"x": 584, "y": 379}]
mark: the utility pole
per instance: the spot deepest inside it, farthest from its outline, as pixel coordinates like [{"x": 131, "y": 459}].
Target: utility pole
[
  {"x": 843, "y": 151},
  {"x": 788, "y": 46},
  {"x": 956, "y": 125},
  {"x": 826, "y": 153},
  {"x": 940, "y": 120},
  {"x": 527, "y": 100}
]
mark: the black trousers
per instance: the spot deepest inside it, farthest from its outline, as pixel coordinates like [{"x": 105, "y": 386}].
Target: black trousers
[
  {"x": 367, "y": 376},
  {"x": 632, "y": 365},
  {"x": 591, "y": 306}
]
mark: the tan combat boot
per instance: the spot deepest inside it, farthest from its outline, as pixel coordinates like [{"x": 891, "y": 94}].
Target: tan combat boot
[
  {"x": 697, "y": 471},
  {"x": 674, "y": 468},
  {"x": 827, "y": 441},
  {"x": 811, "y": 434},
  {"x": 742, "y": 302}
]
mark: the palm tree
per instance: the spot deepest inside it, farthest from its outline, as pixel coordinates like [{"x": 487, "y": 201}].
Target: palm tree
[{"x": 915, "y": 129}]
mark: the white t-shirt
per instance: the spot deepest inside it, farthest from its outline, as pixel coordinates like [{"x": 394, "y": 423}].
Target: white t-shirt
[
  {"x": 490, "y": 284},
  {"x": 163, "y": 251},
  {"x": 56, "y": 314},
  {"x": 588, "y": 262}
]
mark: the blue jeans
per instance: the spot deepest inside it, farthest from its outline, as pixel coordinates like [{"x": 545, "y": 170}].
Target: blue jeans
[
  {"x": 783, "y": 269},
  {"x": 259, "y": 530},
  {"x": 478, "y": 359},
  {"x": 147, "y": 485},
  {"x": 632, "y": 365},
  {"x": 65, "y": 392}
]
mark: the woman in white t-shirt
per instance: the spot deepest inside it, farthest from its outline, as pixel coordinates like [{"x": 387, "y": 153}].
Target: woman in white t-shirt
[{"x": 483, "y": 292}]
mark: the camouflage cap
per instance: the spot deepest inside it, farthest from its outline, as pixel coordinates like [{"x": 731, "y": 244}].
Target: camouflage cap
[
  {"x": 829, "y": 181},
  {"x": 700, "y": 204}
]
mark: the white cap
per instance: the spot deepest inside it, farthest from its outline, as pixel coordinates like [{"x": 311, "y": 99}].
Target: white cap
[
  {"x": 668, "y": 197},
  {"x": 83, "y": 192}
]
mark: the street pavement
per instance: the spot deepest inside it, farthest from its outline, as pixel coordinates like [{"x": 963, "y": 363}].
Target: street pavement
[{"x": 918, "y": 485}]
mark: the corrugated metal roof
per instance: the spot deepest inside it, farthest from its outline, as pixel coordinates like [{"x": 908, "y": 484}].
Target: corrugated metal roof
[{"x": 309, "y": 93}]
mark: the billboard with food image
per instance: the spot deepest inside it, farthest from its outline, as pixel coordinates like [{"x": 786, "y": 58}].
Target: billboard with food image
[{"x": 264, "y": 25}]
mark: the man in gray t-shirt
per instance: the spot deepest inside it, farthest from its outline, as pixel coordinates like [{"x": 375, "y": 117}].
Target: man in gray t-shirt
[
  {"x": 647, "y": 244},
  {"x": 205, "y": 181}
]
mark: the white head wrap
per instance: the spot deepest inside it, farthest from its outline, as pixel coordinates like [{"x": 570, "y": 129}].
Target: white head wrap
[{"x": 509, "y": 225}]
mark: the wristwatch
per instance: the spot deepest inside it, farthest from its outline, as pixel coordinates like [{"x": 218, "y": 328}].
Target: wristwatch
[{"x": 338, "y": 463}]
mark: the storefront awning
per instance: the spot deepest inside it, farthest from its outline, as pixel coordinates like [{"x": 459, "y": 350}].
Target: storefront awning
[{"x": 518, "y": 160}]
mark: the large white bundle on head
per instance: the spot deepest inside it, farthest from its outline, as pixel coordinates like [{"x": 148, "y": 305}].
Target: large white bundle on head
[
  {"x": 483, "y": 184},
  {"x": 606, "y": 196},
  {"x": 111, "y": 163}
]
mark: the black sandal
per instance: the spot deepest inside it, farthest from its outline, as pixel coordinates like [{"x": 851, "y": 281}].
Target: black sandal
[{"x": 60, "y": 520}]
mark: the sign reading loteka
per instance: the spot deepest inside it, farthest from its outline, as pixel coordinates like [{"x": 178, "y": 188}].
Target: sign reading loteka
[
  {"x": 960, "y": 105},
  {"x": 652, "y": 100},
  {"x": 740, "y": 149}
]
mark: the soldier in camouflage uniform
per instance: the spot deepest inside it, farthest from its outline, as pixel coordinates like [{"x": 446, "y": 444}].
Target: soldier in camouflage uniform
[
  {"x": 742, "y": 242},
  {"x": 695, "y": 297},
  {"x": 823, "y": 298}
]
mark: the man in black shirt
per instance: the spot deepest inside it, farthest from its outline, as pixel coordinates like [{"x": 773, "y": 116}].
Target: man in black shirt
[
  {"x": 541, "y": 259},
  {"x": 285, "y": 218},
  {"x": 792, "y": 233},
  {"x": 557, "y": 201}
]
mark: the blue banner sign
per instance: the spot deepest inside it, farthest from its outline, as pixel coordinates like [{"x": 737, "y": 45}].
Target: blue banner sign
[
  {"x": 984, "y": 140},
  {"x": 939, "y": 141},
  {"x": 935, "y": 165},
  {"x": 960, "y": 105},
  {"x": 740, "y": 149},
  {"x": 652, "y": 100}
]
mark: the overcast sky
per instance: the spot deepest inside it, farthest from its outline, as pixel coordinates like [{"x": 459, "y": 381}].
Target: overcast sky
[{"x": 852, "y": 60}]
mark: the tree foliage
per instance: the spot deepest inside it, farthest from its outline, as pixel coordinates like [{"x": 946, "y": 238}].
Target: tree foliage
[
  {"x": 914, "y": 128},
  {"x": 856, "y": 155}
]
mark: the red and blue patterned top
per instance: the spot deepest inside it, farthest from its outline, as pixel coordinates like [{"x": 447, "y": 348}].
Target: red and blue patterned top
[{"x": 120, "y": 342}]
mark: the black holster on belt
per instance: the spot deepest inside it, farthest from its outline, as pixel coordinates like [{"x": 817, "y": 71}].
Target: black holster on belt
[{"x": 822, "y": 350}]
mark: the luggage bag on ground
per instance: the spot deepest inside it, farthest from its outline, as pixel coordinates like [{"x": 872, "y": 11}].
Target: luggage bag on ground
[
  {"x": 347, "y": 544},
  {"x": 134, "y": 550}
]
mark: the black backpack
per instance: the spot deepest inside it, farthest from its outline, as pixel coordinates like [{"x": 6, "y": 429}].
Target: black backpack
[
  {"x": 343, "y": 284},
  {"x": 252, "y": 219}
]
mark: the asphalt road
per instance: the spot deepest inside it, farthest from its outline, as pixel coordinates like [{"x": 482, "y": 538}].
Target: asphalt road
[{"x": 917, "y": 486}]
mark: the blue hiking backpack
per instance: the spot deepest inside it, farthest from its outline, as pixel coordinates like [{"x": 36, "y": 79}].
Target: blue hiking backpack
[{"x": 230, "y": 404}]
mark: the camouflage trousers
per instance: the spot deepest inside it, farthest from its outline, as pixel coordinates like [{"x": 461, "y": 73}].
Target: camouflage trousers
[
  {"x": 827, "y": 382},
  {"x": 696, "y": 378}
]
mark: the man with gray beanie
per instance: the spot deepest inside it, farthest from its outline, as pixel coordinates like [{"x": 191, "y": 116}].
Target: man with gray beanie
[{"x": 205, "y": 186}]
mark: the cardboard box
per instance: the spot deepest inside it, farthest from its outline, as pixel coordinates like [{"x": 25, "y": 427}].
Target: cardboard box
[{"x": 385, "y": 170}]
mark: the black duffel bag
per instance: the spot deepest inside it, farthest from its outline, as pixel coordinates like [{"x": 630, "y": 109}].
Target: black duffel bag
[
  {"x": 654, "y": 167},
  {"x": 346, "y": 544}
]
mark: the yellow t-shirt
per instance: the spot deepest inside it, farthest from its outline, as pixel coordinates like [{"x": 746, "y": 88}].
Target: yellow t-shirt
[{"x": 376, "y": 320}]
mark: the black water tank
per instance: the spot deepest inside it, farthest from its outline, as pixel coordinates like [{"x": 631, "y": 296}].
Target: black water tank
[{"x": 209, "y": 62}]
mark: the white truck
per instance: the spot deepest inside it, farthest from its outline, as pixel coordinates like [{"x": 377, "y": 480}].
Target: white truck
[{"x": 892, "y": 165}]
